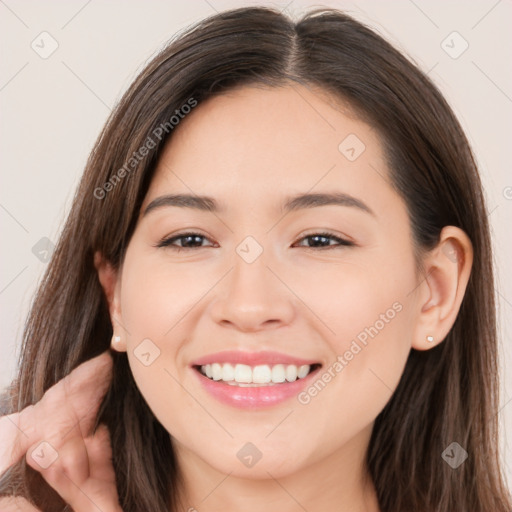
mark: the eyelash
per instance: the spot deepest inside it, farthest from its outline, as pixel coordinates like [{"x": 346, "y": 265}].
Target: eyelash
[{"x": 168, "y": 242}]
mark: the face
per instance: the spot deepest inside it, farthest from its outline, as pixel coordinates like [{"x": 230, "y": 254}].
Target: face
[{"x": 255, "y": 277}]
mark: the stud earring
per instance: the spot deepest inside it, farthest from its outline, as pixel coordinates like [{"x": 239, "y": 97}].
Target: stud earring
[
  {"x": 116, "y": 339},
  {"x": 430, "y": 339}
]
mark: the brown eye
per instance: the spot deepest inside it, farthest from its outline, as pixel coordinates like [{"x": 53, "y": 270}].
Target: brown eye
[
  {"x": 188, "y": 241},
  {"x": 319, "y": 240}
]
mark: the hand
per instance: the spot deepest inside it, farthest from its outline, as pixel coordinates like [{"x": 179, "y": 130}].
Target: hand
[{"x": 55, "y": 436}]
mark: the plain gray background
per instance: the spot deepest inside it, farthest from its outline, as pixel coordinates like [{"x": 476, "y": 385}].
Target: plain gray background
[{"x": 54, "y": 105}]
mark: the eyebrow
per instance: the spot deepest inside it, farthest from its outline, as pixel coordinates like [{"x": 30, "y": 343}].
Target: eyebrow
[{"x": 298, "y": 202}]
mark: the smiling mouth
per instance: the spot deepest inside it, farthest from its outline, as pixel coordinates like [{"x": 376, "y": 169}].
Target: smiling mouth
[{"x": 243, "y": 375}]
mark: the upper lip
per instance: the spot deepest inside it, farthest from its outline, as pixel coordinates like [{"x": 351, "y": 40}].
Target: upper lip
[{"x": 251, "y": 358}]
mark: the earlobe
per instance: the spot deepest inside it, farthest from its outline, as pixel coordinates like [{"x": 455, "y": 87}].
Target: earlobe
[
  {"x": 109, "y": 280},
  {"x": 447, "y": 271},
  {"x": 118, "y": 343}
]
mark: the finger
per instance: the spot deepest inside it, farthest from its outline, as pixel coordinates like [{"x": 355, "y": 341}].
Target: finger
[
  {"x": 14, "y": 441},
  {"x": 68, "y": 464},
  {"x": 73, "y": 401},
  {"x": 99, "y": 449},
  {"x": 83, "y": 474},
  {"x": 66, "y": 470},
  {"x": 83, "y": 389}
]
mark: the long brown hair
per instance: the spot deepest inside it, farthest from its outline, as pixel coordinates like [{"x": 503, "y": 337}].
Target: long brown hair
[{"x": 446, "y": 394}]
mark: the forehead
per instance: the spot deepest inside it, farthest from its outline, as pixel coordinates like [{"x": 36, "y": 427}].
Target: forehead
[{"x": 256, "y": 142}]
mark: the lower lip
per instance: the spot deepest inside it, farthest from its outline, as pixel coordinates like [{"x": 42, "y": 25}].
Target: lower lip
[{"x": 253, "y": 397}]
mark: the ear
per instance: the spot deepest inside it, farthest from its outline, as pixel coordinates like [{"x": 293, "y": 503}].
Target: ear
[
  {"x": 111, "y": 284},
  {"x": 447, "y": 271}
]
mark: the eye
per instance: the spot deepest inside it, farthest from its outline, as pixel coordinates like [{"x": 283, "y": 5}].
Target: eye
[
  {"x": 320, "y": 238},
  {"x": 187, "y": 241},
  {"x": 194, "y": 241}
]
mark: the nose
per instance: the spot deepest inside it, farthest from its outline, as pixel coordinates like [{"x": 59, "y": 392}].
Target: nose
[{"x": 253, "y": 297}]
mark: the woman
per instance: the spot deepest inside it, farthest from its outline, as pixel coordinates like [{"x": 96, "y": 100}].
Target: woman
[{"x": 332, "y": 346}]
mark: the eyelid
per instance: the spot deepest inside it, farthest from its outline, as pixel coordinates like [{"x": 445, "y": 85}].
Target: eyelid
[
  {"x": 165, "y": 241},
  {"x": 345, "y": 239},
  {"x": 342, "y": 241}
]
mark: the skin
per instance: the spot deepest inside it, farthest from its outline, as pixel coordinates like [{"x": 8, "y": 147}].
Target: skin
[
  {"x": 57, "y": 438},
  {"x": 249, "y": 149}
]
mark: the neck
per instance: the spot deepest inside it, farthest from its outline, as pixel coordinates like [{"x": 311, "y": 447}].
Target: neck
[{"x": 336, "y": 483}]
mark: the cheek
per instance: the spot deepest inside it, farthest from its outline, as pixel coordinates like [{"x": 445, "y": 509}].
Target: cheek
[
  {"x": 156, "y": 296},
  {"x": 357, "y": 300},
  {"x": 158, "y": 302},
  {"x": 370, "y": 318}
]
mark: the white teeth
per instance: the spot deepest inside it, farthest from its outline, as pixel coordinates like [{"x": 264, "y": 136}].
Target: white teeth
[
  {"x": 245, "y": 375},
  {"x": 228, "y": 372},
  {"x": 291, "y": 373},
  {"x": 216, "y": 371},
  {"x": 278, "y": 373},
  {"x": 303, "y": 371},
  {"x": 261, "y": 374}
]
